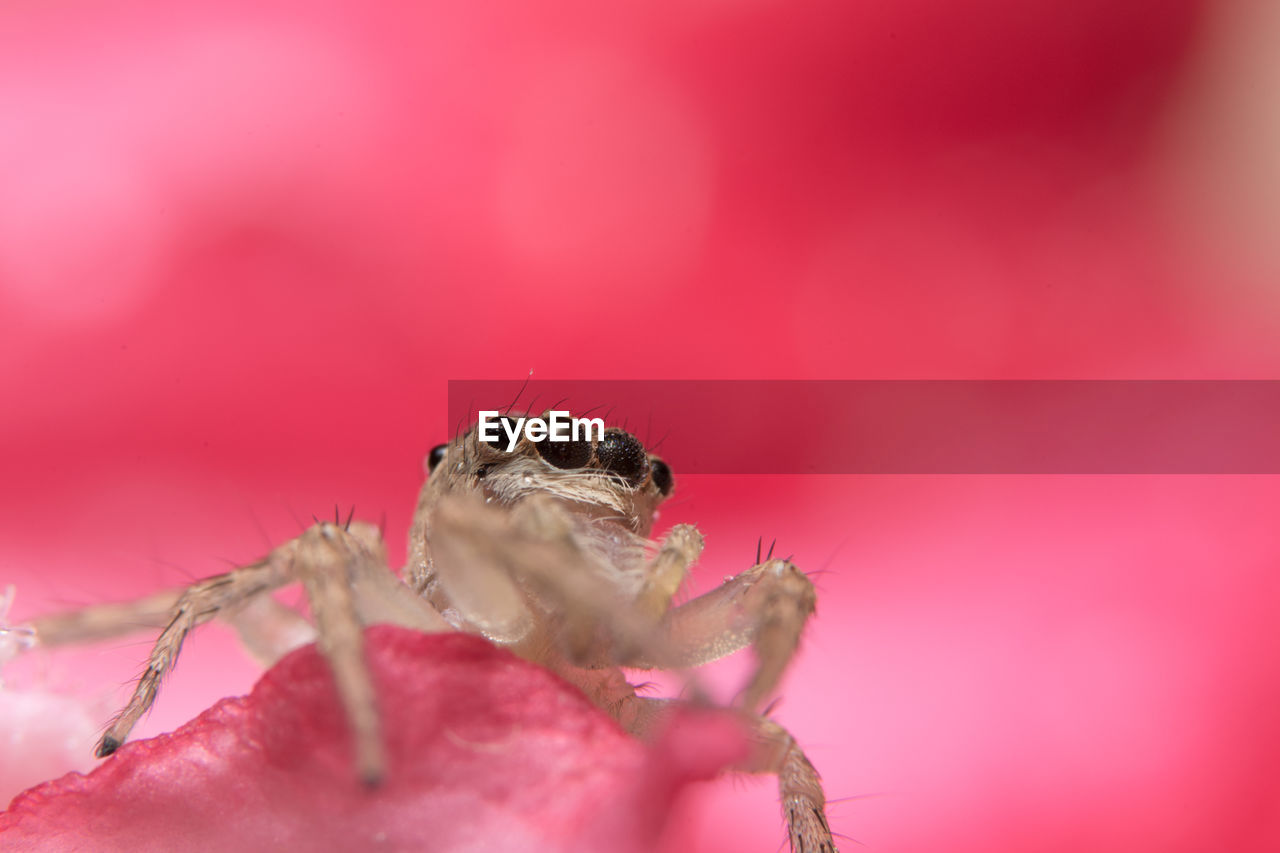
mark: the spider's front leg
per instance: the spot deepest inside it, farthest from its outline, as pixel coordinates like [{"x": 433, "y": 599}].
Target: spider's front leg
[
  {"x": 799, "y": 786},
  {"x": 268, "y": 629},
  {"x": 773, "y": 751},
  {"x": 104, "y": 621},
  {"x": 197, "y": 604},
  {"x": 343, "y": 570},
  {"x": 765, "y": 607}
]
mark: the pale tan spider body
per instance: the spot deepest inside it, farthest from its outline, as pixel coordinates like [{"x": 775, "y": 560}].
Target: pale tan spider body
[{"x": 544, "y": 550}]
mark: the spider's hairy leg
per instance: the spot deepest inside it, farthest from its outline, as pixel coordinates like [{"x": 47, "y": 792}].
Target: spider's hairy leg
[
  {"x": 773, "y": 751},
  {"x": 799, "y": 787},
  {"x": 267, "y": 628},
  {"x": 343, "y": 571},
  {"x": 197, "y": 604},
  {"x": 104, "y": 621},
  {"x": 270, "y": 629},
  {"x": 328, "y": 561}
]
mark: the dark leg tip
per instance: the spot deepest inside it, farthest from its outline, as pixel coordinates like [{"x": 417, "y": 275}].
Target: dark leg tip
[
  {"x": 372, "y": 779},
  {"x": 107, "y": 746}
]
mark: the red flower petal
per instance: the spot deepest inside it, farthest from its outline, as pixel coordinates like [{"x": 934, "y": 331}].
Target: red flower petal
[{"x": 487, "y": 752}]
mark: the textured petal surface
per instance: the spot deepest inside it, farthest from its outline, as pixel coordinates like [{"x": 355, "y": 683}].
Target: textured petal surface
[{"x": 487, "y": 751}]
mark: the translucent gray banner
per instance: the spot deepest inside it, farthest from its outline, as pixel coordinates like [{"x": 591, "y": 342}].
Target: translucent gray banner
[{"x": 917, "y": 427}]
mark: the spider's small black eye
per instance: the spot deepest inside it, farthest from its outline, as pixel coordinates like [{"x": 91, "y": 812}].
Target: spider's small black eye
[
  {"x": 500, "y": 429},
  {"x": 661, "y": 474},
  {"x": 623, "y": 455},
  {"x": 434, "y": 457},
  {"x": 565, "y": 454}
]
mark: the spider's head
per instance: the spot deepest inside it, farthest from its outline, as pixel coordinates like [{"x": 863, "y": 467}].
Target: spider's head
[{"x": 602, "y": 473}]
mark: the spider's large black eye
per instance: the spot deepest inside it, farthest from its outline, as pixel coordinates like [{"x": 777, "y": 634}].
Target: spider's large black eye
[
  {"x": 565, "y": 454},
  {"x": 661, "y": 475},
  {"x": 500, "y": 429},
  {"x": 623, "y": 455},
  {"x": 434, "y": 457}
]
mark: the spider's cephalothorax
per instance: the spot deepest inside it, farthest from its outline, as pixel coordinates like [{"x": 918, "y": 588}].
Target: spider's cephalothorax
[
  {"x": 610, "y": 476},
  {"x": 543, "y": 548},
  {"x": 603, "y": 490}
]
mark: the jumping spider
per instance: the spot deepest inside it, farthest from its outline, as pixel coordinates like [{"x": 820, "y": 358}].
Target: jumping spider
[{"x": 543, "y": 550}]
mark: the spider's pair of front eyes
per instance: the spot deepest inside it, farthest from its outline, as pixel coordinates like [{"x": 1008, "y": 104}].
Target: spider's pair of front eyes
[{"x": 618, "y": 453}]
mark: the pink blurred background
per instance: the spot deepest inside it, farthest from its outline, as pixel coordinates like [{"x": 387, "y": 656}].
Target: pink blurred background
[{"x": 243, "y": 246}]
